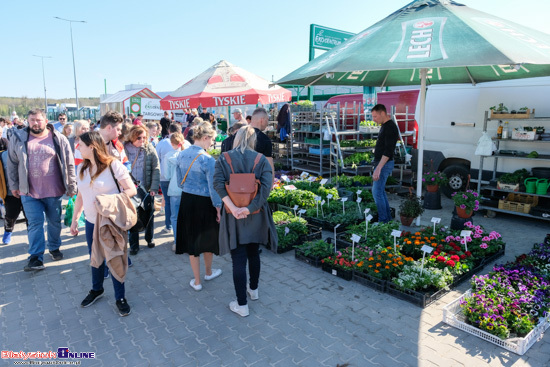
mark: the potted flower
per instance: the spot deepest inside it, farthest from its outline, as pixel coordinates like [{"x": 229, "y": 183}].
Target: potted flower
[
  {"x": 466, "y": 203},
  {"x": 409, "y": 209},
  {"x": 432, "y": 180}
]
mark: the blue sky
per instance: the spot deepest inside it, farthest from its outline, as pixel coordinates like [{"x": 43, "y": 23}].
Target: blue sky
[{"x": 166, "y": 43}]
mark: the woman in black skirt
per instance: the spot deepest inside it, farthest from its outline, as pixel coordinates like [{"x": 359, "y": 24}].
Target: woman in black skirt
[{"x": 199, "y": 213}]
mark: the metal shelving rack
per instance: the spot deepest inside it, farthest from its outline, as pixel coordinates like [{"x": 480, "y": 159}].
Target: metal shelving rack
[
  {"x": 543, "y": 158},
  {"x": 308, "y": 124}
]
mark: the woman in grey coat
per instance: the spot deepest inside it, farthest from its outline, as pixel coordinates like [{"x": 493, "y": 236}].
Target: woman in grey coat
[{"x": 241, "y": 232}]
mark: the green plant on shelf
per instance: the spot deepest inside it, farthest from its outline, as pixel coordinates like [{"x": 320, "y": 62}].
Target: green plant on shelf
[
  {"x": 368, "y": 123},
  {"x": 358, "y": 159}
]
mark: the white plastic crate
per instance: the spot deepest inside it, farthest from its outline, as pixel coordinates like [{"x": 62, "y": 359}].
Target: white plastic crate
[{"x": 452, "y": 315}]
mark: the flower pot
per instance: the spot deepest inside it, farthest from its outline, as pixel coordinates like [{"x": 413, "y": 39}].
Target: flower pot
[
  {"x": 463, "y": 213},
  {"x": 432, "y": 188},
  {"x": 406, "y": 221}
]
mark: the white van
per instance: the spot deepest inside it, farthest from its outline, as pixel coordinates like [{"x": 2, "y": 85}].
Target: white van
[{"x": 454, "y": 123}]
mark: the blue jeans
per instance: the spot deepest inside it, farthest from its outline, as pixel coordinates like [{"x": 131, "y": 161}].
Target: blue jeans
[
  {"x": 379, "y": 193},
  {"x": 36, "y": 211},
  {"x": 98, "y": 274},
  {"x": 167, "y": 204},
  {"x": 240, "y": 255},
  {"x": 175, "y": 207}
]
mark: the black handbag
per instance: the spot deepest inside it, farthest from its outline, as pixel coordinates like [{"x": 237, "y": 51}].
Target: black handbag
[{"x": 143, "y": 202}]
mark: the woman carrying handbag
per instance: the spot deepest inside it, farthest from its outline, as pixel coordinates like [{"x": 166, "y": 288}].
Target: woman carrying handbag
[{"x": 243, "y": 229}]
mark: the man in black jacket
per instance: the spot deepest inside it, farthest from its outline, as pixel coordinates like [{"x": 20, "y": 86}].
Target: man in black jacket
[
  {"x": 165, "y": 124},
  {"x": 383, "y": 160}
]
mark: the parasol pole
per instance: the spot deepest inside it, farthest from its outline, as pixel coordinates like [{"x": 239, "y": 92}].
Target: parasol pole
[{"x": 420, "y": 161}]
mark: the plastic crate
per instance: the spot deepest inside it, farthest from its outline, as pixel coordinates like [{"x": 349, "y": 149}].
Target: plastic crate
[
  {"x": 452, "y": 315},
  {"x": 313, "y": 261},
  {"x": 317, "y": 151},
  {"x": 369, "y": 281},
  {"x": 344, "y": 274},
  {"x": 421, "y": 299}
]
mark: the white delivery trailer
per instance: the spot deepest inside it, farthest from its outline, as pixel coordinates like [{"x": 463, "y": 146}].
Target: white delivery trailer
[{"x": 455, "y": 116}]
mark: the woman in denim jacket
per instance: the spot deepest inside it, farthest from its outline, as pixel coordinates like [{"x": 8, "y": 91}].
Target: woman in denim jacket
[{"x": 199, "y": 212}]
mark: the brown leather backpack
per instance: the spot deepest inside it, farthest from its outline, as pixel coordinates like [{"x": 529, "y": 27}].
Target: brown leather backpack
[{"x": 242, "y": 187}]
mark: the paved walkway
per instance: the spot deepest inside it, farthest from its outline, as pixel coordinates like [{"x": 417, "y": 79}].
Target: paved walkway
[{"x": 304, "y": 317}]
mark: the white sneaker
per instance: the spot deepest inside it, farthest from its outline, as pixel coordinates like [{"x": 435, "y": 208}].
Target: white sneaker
[
  {"x": 239, "y": 310},
  {"x": 166, "y": 231},
  {"x": 215, "y": 273},
  {"x": 195, "y": 287},
  {"x": 174, "y": 247},
  {"x": 252, "y": 293}
]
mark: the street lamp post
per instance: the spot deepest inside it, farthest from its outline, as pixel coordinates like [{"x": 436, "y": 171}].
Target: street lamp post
[
  {"x": 44, "y": 79},
  {"x": 72, "y": 48}
]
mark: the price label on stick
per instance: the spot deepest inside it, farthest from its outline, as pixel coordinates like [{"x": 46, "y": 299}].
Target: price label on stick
[
  {"x": 312, "y": 178},
  {"x": 317, "y": 198},
  {"x": 427, "y": 249},
  {"x": 465, "y": 233},
  {"x": 359, "y": 192},
  {"x": 335, "y": 228},
  {"x": 435, "y": 221},
  {"x": 323, "y": 202},
  {"x": 295, "y": 207},
  {"x": 285, "y": 178},
  {"x": 304, "y": 175},
  {"x": 329, "y": 196},
  {"x": 324, "y": 181},
  {"x": 367, "y": 211},
  {"x": 344, "y": 200},
  {"x": 396, "y": 233},
  {"x": 301, "y": 211},
  {"x": 289, "y": 187},
  {"x": 355, "y": 238},
  {"x": 287, "y": 230},
  {"x": 359, "y": 200},
  {"x": 369, "y": 218}
]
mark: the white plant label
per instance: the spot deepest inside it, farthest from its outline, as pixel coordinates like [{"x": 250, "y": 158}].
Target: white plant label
[
  {"x": 465, "y": 234},
  {"x": 304, "y": 175},
  {"x": 344, "y": 200},
  {"x": 317, "y": 198},
  {"x": 312, "y": 178},
  {"x": 335, "y": 227},
  {"x": 359, "y": 200},
  {"x": 329, "y": 196},
  {"x": 427, "y": 249},
  {"x": 367, "y": 211},
  {"x": 395, "y": 233},
  {"x": 359, "y": 192},
  {"x": 368, "y": 218},
  {"x": 301, "y": 211},
  {"x": 435, "y": 221},
  {"x": 289, "y": 187},
  {"x": 285, "y": 178},
  {"x": 324, "y": 181},
  {"x": 355, "y": 238},
  {"x": 323, "y": 202},
  {"x": 287, "y": 230},
  {"x": 295, "y": 207}
]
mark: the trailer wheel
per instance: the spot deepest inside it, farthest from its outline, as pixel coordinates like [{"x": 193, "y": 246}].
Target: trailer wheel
[{"x": 458, "y": 178}]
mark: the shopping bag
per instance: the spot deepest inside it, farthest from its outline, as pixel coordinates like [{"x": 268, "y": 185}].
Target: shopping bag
[
  {"x": 69, "y": 210},
  {"x": 485, "y": 146}
]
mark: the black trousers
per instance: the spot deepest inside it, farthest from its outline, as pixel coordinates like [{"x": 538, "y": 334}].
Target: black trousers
[
  {"x": 13, "y": 209},
  {"x": 240, "y": 256}
]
